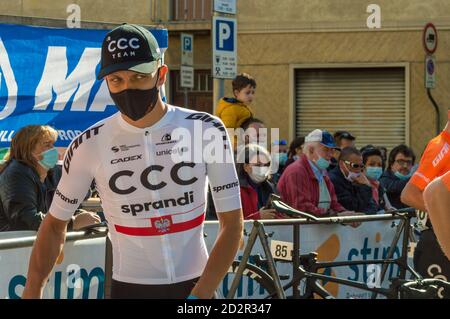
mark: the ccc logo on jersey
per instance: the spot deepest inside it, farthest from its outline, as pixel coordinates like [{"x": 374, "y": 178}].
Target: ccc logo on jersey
[{"x": 144, "y": 178}]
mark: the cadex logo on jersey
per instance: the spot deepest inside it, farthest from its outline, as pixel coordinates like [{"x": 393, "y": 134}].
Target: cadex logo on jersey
[
  {"x": 126, "y": 159},
  {"x": 144, "y": 178},
  {"x": 134, "y": 209},
  {"x": 86, "y": 135}
]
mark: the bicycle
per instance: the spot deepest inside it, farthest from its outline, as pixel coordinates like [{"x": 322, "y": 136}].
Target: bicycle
[{"x": 306, "y": 266}]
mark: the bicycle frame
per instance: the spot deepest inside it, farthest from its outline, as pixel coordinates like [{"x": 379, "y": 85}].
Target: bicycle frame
[
  {"x": 401, "y": 262},
  {"x": 258, "y": 231}
]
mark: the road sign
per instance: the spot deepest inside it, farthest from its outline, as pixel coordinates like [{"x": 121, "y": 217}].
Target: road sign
[
  {"x": 430, "y": 72},
  {"x": 224, "y": 47},
  {"x": 430, "y": 38},
  {"x": 187, "y": 77},
  {"x": 187, "y": 49},
  {"x": 225, "y": 6}
]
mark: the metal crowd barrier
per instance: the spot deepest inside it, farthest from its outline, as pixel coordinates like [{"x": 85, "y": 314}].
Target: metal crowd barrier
[{"x": 28, "y": 241}]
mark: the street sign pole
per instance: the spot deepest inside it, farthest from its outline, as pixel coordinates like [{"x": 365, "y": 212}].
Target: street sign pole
[
  {"x": 224, "y": 46},
  {"x": 187, "y": 77},
  {"x": 430, "y": 42}
]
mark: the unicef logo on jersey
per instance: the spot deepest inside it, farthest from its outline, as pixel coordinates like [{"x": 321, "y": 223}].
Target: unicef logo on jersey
[{"x": 174, "y": 151}]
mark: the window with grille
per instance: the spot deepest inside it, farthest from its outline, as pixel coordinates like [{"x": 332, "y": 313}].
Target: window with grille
[{"x": 191, "y": 10}]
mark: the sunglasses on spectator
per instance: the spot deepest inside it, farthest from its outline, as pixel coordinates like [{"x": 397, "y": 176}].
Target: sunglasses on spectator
[
  {"x": 354, "y": 165},
  {"x": 404, "y": 162}
]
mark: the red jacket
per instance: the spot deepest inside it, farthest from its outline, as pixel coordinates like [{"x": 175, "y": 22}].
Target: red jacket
[
  {"x": 299, "y": 188},
  {"x": 249, "y": 200}
]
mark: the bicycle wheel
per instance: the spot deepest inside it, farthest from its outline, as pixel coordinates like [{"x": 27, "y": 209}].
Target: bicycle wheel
[{"x": 255, "y": 283}]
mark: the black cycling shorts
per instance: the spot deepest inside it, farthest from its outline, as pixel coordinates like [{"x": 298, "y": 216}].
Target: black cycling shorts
[
  {"x": 429, "y": 260},
  {"x": 123, "y": 290}
]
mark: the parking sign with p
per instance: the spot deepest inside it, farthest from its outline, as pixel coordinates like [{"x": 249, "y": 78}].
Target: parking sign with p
[
  {"x": 225, "y": 38},
  {"x": 224, "y": 47},
  {"x": 187, "y": 49}
]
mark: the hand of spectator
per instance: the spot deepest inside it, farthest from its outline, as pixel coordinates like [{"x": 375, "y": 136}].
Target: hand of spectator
[
  {"x": 349, "y": 214},
  {"x": 85, "y": 219},
  {"x": 362, "y": 179},
  {"x": 267, "y": 213}
]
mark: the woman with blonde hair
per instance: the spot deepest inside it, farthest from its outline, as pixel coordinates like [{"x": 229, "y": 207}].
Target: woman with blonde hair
[{"x": 26, "y": 178}]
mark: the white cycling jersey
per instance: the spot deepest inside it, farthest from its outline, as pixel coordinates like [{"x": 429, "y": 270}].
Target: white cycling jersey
[{"x": 154, "y": 201}]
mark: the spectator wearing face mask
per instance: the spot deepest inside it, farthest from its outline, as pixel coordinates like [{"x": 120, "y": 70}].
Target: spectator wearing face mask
[
  {"x": 373, "y": 169},
  {"x": 353, "y": 189},
  {"x": 253, "y": 169},
  {"x": 305, "y": 184},
  {"x": 398, "y": 173},
  {"x": 28, "y": 181}
]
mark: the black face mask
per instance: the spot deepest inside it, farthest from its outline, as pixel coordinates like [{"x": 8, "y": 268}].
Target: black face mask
[{"x": 136, "y": 103}]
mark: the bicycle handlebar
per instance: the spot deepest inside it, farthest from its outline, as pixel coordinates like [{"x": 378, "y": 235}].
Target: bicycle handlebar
[
  {"x": 281, "y": 207},
  {"x": 409, "y": 212},
  {"x": 424, "y": 289}
]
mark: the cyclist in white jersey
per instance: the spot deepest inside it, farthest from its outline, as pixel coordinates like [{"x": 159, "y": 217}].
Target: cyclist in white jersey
[{"x": 152, "y": 165}]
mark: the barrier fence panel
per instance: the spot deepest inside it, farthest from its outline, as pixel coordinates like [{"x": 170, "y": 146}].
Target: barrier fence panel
[{"x": 80, "y": 271}]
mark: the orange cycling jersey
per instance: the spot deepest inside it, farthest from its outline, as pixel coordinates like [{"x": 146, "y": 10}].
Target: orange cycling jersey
[{"x": 435, "y": 161}]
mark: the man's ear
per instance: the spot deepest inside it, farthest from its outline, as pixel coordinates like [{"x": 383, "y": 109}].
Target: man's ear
[{"x": 163, "y": 70}]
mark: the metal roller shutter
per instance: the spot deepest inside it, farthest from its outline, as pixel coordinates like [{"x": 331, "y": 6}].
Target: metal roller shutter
[{"x": 368, "y": 102}]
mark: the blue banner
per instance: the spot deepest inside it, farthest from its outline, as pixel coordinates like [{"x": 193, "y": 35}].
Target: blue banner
[{"x": 48, "y": 76}]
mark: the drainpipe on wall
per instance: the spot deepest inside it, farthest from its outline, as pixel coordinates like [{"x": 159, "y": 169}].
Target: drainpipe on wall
[{"x": 438, "y": 113}]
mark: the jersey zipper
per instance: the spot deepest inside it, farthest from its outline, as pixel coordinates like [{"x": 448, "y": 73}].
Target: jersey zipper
[{"x": 165, "y": 242}]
